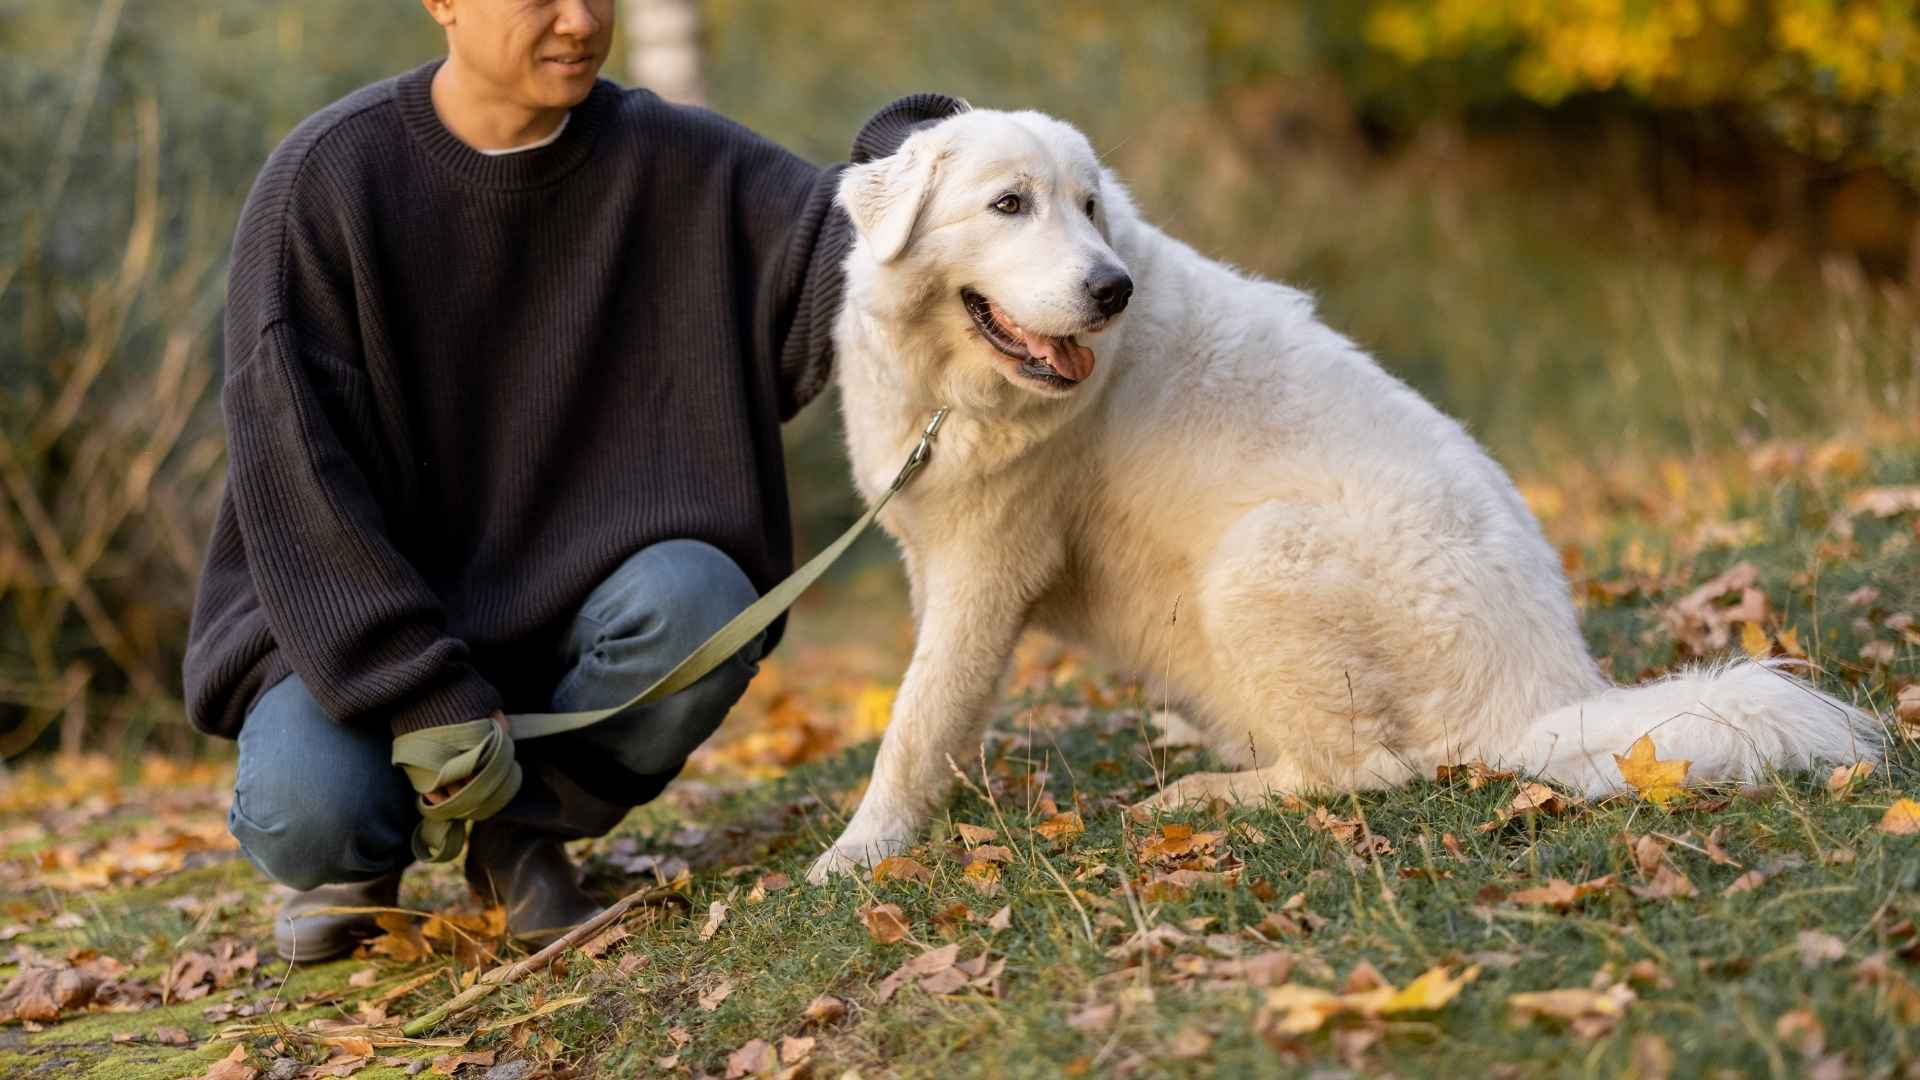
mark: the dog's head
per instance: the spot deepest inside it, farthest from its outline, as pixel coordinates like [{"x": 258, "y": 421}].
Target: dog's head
[{"x": 992, "y": 229}]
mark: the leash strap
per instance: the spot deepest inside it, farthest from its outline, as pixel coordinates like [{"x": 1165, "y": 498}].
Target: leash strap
[{"x": 439, "y": 755}]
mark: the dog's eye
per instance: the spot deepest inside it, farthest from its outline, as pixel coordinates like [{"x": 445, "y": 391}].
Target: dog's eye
[
  {"x": 1089, "y": 208},
  {"x": 1008, "y": 203}
]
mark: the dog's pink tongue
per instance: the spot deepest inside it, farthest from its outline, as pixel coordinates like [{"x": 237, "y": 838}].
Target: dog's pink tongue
[{"x": 1070, "y": 360}]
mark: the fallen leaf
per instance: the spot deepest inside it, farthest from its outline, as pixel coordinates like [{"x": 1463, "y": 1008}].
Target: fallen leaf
[
  {"x": 1561, "y": 893},
  {"x": 1062, "y": 826},
  {"x": 1094, "y": 1017},
  {"x": 1817, "y": 948},
  {"x": 1002, "y": 919},
  {"x": 711, "y": 997},
  {"x": 1755, "y": 641},
  {"x": 1884, "y": 502},
  {"x": 1188, "y": 1043},
  {"x": 1432, "y": 990},
  {"x": 1802, "y": 1030},
  {"x": 448, "y": 1064},
  {"x": 364, "y": 978},
  {"x": 1658, "y": 782},
  {"x": 1746, "y": 882},
  {"x": 402, "y": 940},
  {"x": 794, "y": 1049},
  {"x": 886, "y": 923},
  {"x": 973, "y": 834},
  {"x": 1907, "y": 708},
  {"x": 991, "y": 853},
  {"x": 232, "y": 1067},
  {"x": 716, "y": 914},
  {"x": 825, "y": 1009},
  {"x": 901, "y": 868},
  {"x": 1902, "y": 818},
  {"x": 1588, "y": 1013},
  {"x": 757, "y": 1056}
]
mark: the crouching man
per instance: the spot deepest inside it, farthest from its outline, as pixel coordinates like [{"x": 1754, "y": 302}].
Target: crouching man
[{"x": 508, "y": 348}]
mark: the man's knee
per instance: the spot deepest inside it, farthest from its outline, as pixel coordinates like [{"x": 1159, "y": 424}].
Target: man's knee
[
  {"x": 664, "y": 601},
  {"x": 315, "y": 802}
]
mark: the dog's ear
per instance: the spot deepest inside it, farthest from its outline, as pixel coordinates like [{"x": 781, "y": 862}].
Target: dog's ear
[{"x": 885, "y": 198}]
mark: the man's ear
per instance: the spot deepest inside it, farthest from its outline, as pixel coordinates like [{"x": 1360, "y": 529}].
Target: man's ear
[{"x": 886, "y": 198}]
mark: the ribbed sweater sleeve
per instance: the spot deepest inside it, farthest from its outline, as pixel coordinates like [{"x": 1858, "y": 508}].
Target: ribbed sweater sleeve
[{"x": 354, "y": 617}]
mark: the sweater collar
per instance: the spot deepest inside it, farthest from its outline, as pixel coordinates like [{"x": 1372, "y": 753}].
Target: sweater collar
[{"x": 413, "y": 93}]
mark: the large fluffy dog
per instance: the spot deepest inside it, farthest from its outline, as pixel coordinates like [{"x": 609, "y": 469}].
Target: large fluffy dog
[{"x": 1135, "y": 428}]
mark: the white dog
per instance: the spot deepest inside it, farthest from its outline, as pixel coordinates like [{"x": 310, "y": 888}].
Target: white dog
[{"x": 1361, "y": 594}]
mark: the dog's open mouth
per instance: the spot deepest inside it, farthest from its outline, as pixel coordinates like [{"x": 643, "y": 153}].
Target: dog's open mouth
[{"x": 1057, "y": 362}]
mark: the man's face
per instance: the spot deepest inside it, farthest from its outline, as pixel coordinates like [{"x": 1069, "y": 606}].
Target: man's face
[{"x": 538, "y": 53}]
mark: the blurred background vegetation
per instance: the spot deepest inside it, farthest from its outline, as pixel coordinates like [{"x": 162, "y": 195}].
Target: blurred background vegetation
[{"x": 1609, "y": 234}]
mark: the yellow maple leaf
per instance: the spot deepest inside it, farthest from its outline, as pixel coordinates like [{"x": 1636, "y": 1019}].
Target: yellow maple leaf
[
  {"x": 1755, "y": 641},
  {"x": 1659, "y": 782},
  {"x": 1902, "y": 819},
  {"x": 1431, "y": 990}
]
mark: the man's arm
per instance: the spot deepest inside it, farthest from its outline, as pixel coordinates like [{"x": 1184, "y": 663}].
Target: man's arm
[{"x": 354, "y": 617}]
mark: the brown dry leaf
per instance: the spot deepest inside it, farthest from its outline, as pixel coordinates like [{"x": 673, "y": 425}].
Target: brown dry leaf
[
  {"x": 972, "y": 835},
  {"x": 41, "y": 994},
  {"x": 712, "y": 996},
  {"x": 402, "y": 941},
  {"x": 232, "y": 1067},
  {"x": 1539, "y": 798},
  {"x": 1843, "y": 777},
  {"x": 794, "y": 1049},
  {"x": 1902, "y": 818},
  {"x": 901, "y": 868},
  {"x": 1907, "y": 707},
  {"x": 1817, "y": 948},
  {"x": 1667, "y": 883},
  {"x": 173, "y": 1036},
  {"x": 1746, "y": 882},
  {"x": 448, "y": 1064},
  {"x": 1561, "y": 893},
  {"x": 337, "y": 1066},
  {"x": 716, "y": 914},
  {"x": 1802, "y": 1030},
  {"x": 886, "y": 923},
  {"x": 364, "y": 978},
  {"x": 596, "y": 946},
  {"x": 1659, "y": 782},
  {"x": 1698, "y": 621},
  {"x": 1476, "y": 774},
  {"x": 756, "y": 1057},
  {"x": 1002, "y": 919},
  {"x": 990, "y": 853},
  {"x": 1588, "y": 1013},
  {"x": 1062, "y": 826},
  {"x": 1884, "y": 502},
  {"x": 825, "y": 1009},
  {"x": 352, "y": 1045}
]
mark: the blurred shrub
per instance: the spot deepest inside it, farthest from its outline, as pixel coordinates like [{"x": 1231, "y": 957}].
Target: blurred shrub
[
  {"x": 1832, "y": 78},
  {"x": 133, "y": 132}
]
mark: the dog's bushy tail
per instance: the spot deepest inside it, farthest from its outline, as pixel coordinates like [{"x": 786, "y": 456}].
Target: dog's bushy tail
[{"x": 1733, "y": 720}]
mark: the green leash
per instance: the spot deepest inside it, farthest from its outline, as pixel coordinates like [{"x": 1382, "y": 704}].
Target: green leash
[{"x": 480, "y": 751}]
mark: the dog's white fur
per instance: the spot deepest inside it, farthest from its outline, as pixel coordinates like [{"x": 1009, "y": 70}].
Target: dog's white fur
[{"x": 1361, "y": 594}]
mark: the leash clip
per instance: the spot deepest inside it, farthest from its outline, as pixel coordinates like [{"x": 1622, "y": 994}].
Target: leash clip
[{"x": 921, "y": 452}]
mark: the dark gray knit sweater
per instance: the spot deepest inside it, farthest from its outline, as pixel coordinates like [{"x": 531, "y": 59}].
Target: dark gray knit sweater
[{"x": 461, "y": 389}]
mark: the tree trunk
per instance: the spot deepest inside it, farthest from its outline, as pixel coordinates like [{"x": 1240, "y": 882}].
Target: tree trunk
[{"x": 663, "y": 48}]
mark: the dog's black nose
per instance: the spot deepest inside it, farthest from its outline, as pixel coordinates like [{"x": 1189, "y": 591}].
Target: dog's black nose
[{"x": 1110, "y": 288}]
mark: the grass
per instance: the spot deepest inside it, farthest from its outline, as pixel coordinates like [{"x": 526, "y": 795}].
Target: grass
[{"x": 1713, "y": 973}]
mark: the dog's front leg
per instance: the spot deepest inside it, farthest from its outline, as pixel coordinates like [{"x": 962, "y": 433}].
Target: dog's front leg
[{"x": 967, "y": 632}]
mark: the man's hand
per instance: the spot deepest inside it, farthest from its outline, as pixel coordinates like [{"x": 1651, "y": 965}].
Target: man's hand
[{"x": 447, "y": 791}]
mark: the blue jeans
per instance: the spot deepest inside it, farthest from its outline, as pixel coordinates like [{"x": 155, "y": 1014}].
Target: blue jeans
[{"x": 318, "y": 802}]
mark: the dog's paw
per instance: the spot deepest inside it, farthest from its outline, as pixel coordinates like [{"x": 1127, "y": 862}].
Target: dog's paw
[{"x": 850, "y": 857}]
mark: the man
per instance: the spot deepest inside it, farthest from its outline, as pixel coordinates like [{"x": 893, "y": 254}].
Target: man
[{"x": 507, "y": 352}]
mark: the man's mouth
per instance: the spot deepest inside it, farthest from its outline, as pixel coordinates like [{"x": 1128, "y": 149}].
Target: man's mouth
[
  {"x": 1057, "y": 362},
  {"x": 572, "y": 65}
]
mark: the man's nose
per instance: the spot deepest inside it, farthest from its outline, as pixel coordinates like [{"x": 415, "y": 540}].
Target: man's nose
[
  {"x": 576, "y": 19},
  {"x": 1110, "y": 288}
]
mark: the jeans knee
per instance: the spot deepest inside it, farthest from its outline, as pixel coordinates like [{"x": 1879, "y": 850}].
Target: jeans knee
[
  {"x": 670, "y": 596},
  {"x": 316, "y": 802},
  {"x": 307, "y": 843}
]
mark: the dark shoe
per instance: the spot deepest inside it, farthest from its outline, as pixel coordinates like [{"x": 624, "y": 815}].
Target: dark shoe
[
  {"x": 529, "y": 874},
  {"x": 303, "y": 935}
]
